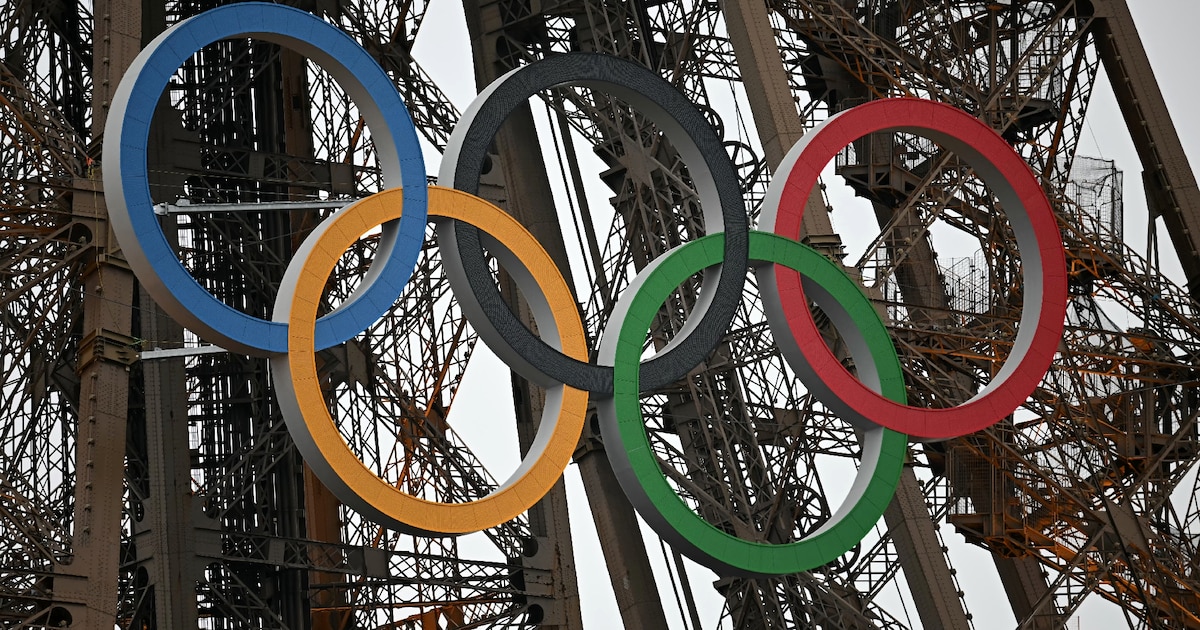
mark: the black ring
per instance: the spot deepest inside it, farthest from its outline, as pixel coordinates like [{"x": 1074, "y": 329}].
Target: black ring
[{"x": 701, "y": 149}]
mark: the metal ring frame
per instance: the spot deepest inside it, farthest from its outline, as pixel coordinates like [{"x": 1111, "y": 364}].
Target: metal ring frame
[{"x": 789, "y": 275}]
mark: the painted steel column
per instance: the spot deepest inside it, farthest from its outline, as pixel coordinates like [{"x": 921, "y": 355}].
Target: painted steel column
[
  {"x": 1024, "y": 581},
  {"x": 925, "y": 567},
  {"x": 322, "y": 516},
  {"x": 104, "y": 357},
  {"x": 617, "y": 528},
  {"x": 167, "y": 539},
  {"x": 1171, "y": 189},
  {"x": 779, "y": 127},
  {"x": 528, "y": 198},
  {"x": 772, "y": 104}
]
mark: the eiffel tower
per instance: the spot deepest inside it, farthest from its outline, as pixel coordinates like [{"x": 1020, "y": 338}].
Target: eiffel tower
[{"x": 147, "y": 479}]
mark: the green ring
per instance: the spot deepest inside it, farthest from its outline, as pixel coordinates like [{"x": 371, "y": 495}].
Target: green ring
[{"x": 624, "y": 432}]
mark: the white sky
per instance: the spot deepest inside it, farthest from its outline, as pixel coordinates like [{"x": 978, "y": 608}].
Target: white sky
[{"x": 443, "y": 50}]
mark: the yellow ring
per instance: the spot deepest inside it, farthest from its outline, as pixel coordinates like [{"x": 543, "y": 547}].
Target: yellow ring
[{"x": 308, "y": 418}]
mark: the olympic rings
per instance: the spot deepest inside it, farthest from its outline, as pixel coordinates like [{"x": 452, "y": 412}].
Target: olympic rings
[
  {"x": 711, "y": 171},
  {"x": 1038, "y": 240},
  {"x": 789, "y": 274},
  {"x": 638, "y": 470},
  {"x": 127, "y": 190},
  {"x": 308, "y": 420}
]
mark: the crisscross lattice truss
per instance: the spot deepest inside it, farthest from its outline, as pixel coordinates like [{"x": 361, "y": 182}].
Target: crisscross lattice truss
[{"x": 1089, "y": 489}]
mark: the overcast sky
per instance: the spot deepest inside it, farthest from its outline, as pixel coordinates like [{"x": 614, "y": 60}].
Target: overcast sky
[{"x": 1166, "y": 26}]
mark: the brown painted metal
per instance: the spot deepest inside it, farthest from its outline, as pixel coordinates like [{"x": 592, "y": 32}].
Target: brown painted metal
[
  {"x": 88, "y": 582},
  {"x": 1169, "y": 180},
  {"x": 1072, "y": 498}
]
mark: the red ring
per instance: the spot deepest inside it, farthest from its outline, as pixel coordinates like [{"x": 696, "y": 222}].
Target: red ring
[{"x": 1038, "y": 239}]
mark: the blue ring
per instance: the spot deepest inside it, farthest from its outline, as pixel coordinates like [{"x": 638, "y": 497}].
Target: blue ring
[{"x": 128, "y": 193}]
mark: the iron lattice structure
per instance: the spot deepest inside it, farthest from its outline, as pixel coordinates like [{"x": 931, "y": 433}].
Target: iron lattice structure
[{"x": 1088, "y": 490}]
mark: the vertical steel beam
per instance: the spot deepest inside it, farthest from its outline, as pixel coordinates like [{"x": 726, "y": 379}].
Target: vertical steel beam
[
  {"x": 322, "y": 518},
  {"x": 164, "y": 536},
  {"x": 779, "y": 127},
  {"x": 1171, "y": 189},
  {"x": 624, "y": 549},
  {"x": 772, "y": 104},
  {"x": 528, "y": 198},
  {"x": 926, "y": 568},
  {"x": 166, "y": 540},
  {"x": 620, "y": 538},
  {"x": 104, "y": 357},
  {"x": 1024, "y": 581}
]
